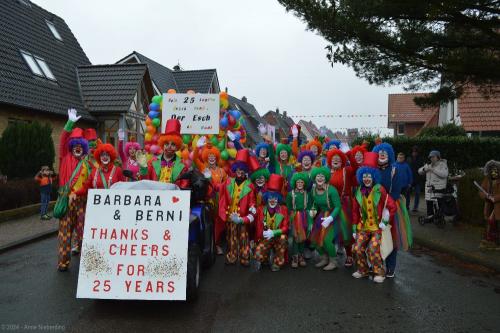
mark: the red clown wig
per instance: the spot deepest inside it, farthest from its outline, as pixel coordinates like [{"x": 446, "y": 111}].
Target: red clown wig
[
  {"x": 105, "y": 147},
  {"x": 333, "y": 152}
]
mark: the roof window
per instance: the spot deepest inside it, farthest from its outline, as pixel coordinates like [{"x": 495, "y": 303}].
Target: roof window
[
  {"x": 53, "y": 29},
  {"x": 38, "y": 66}
]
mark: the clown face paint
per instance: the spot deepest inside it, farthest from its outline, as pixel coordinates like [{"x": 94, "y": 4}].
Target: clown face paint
[
  {"x": 272, "y": 202},
  {"x": 320, "y": 180},
  {"x": 383, "y": 157},
  {"x": 169, "y": 149},
  {"x": 263, "y": 153},
  {"x": 284, "y": 155},
  {"x": 131, "y": 152},
  {"x": 77, "y": 151},
  {"x": 359, "y": 157},
  {"x": 367, "y": 180},
  {"x": 336, "y": 162},
  {"x": 212, "y": 160},
  {"x": 105, "y": 158},
  {"x": 240, "y": 173},
  {"x": 299, "y": 185},
  {"x": 260, "y": 181},
  {"x": 306, "y": 163}
]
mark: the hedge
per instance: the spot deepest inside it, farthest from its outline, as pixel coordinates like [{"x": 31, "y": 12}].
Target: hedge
[
  {"x": 19, "y": 193},
  {"x": 461, "y": 152},
  {"x": 469, "y": 202}
]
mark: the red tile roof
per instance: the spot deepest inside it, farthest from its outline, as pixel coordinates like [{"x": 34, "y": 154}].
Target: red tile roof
[
  {"x": 403, "y": 109},
  {"x": 478, "y": 113}
]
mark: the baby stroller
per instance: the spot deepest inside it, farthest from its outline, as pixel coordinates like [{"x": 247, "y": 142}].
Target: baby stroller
[{"x": 444, "y": 205}]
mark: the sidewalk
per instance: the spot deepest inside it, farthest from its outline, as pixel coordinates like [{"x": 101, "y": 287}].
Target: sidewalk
[
  {"x": 461, "y": 241},
  {"x": 17, "y": 232}
]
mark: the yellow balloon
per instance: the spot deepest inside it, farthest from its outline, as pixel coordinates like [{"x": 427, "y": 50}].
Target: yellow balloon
[
  {"x": 178, "y": 153},
  {"x": 148, "y": 136},
  {"x": 224, "y": 103},
  {"x": 231, "y": 152}
]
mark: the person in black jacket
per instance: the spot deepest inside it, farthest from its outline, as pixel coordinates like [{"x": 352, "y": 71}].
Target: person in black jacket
[{"x": 416, "y": 162}]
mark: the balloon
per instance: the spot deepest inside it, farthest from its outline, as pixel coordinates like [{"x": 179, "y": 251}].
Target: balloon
[
  {"x": 157, "y": 99},
  {"x": 224, "y": 155},
  {"x": 151, "y": 130},
  {"x": 185, "y": 154},
  {"x": 154, "y": 107},
  {"x": 156, "y": 122},
  {"x": 148, "y": 137},
  {"x": 220, "y": 145},
  {"x": 148, "y": 121},
  {"x": 155, "y": 138},
  {"x": 224, "y": 122},
  {"x": 186, "y": 138},
  {"x": 231, "y": 121},
  {"x": 243, "y": 140},
  {"x": 224, "y": 103},
  {"x": 230, "y": 144},
  {"x": 237, "y": 126},
  {"x": 171, "y": 91},
  {"x": 236, "y": 114},
  {"x": 237, "y": 136},
  {"x": 153, "y": 114},
  {"x": 214, "y": 141},
  {"x": 231, "y": 152},
  {"x": 191, "y": 154},
  {"x": 190, "y": 92},
  {"x": 188, "y": 163},
  {"x": 154, "y": 149},
  {"x": 147, "y": 148},
  {"x": 178, "y": 154},
  {"x": 223, "y": 95}
]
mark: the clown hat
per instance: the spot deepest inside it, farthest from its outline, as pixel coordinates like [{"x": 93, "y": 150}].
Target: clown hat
[
  {"x": 253, "y": 164},
  {"x": 90, "y": 134},
  {"x": 275, "y": 183},
  {"x": 241, "y": 160},
  {"x": 76, "y": 133},
  {"x": 370, "y": 160},
  {"x": 172, "y": 133}
]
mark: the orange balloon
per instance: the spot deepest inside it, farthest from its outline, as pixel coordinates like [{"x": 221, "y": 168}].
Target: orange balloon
[
  {"x": 190, "y": 92},
  {"x": 148, "y": 121},
  {"x": 151, "y": 129},
  {"x": 223, "y": 95},
  {"x": 185, "y": 154},
  {"x": 171, "y": 91}
]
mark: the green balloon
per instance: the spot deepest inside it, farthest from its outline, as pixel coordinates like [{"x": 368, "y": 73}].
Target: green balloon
[
  {"x": 157, "y": 99},
  {"x": 224, "y": 155},
  {"x": 186, "y": 138},
  {"x": 214, "y": 141},
  {"x": 220, "y": 145},
  {"x": 156, "y": 122}
]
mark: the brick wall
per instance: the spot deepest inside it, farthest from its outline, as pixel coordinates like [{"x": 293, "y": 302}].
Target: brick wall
[{"x": 55, "y": 121}]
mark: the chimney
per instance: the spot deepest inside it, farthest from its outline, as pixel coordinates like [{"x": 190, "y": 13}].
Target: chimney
[
  {"x": 284, "y": 114},
  {"x": 277, "y": 110},
  {"x": 244, "y": 99},
  {"x": 225, "y": 89}
]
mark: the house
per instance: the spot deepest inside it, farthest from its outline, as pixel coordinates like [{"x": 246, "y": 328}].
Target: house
[
  {"x": 38, "y": 68},
  {"x": 478, "y": 115},
  {"x": 406, "y": 118},
  {"x": 251, "y": 117},
  {"x": 323, "y": 130},
  {"x": 309, "y": 129},
  {"x": 281, "y": 121}
]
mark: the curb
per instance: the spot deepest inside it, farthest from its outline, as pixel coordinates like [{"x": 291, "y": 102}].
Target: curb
[
  {"x": 462, "y": 255},
  {"x": 22, "y": 212},
  {"x": 28, "y": 240}
]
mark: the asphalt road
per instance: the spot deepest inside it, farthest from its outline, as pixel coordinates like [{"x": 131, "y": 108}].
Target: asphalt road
[{"x": 428, "y": 294}]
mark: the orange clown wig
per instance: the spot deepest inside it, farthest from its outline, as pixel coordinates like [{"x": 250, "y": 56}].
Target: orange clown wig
[
  {"x": 105, "y": 148},
  {"x": 316, "y": 143}
]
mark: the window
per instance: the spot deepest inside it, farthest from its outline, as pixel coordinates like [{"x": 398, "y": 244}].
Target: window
[
  {"x": 38, "y": 66},
  {"x": 53, "y": 29},
  {"x": 401, "y": 129}
]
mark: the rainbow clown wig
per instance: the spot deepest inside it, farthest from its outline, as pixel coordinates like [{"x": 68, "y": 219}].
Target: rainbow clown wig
[
  {"x": 305, "y": 153},
  {"x": 384, "y": 146},
  {"x": 105, "y": 148}
]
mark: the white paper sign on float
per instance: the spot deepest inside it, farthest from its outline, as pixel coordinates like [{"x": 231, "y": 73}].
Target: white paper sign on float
[
  {"x": 135, "y": 245},
  {"x": 198, "y": 113}
]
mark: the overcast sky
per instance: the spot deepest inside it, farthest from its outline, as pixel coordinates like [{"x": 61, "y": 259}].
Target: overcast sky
[{"x": 258, "y": 49}]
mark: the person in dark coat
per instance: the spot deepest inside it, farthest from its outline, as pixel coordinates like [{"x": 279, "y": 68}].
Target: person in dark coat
[{"x": 416, "y": 162}]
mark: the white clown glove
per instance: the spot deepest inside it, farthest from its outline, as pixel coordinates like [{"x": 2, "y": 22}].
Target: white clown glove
[
  {"x": 326, "y": 221},
  {"x": 252, "y": 210},
  {"x": 382, "y": 226},
  {"x": 295, "y": 131},
  {"x": 72, "y": 115},
  {"x": 386, "y": 215},
  {"x": 121, "y": 134},
  {"x": 312, "y": 213},
  {"x": 142, "y": 159},
  {"x": 207, "y": 173},
  {"x": 268, "y": 234},
  {"x": 201, "y": 142},
  {"x": 235, "y": 218},
  {"x": 354, "y": 235}
]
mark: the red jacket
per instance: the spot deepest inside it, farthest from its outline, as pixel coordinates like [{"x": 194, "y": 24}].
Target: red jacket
[
  {"x": 282, "y": 224},
  {"x": 95, "y": 179},
  {"x": 247, "y": 200},
  {"x": 342, "y": 181}
]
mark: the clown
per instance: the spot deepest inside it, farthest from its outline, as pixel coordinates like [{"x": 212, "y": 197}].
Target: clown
[
  {"x": 265, "y": 156},
  {"x": 259, "y": 178},
  {"x": 272, "y": 225},
  {"x": 356, "y": 156},
  {"x": 316, "y": 147},
  {"x": 491, "y": 184},
  {"x": 237, "y": 209},
  {"x": 169, "y": 166},
  {"x": 328, "y": 218},
  {"x": 74, "y": 171},
  {"x": 106, "y": 173},
  {"x": 128, "y": 154},
  {"x": 341, "y": 178},
  {"x": 91, "y": 137},
  {"x": 298, "y": 202},
  {"x": 373, "y": 208},
  {"x": 283, "y": 165},
  {"x": 392, "y": 180},
  {"x": 327, "y": 146}
]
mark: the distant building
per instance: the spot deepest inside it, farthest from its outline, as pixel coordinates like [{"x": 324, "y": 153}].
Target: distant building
[
  {"x": 406, "y": 118},
  {"x": 281, "y": 122},
  {"x": 309, "y": 129},
  {"x": 251, "y": 117},
  {"x": 352, "y": 134}
]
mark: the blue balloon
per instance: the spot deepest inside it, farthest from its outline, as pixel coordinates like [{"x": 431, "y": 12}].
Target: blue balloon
[
  {"x": 237, "y": 136},
  {"x": 154, "y": 107},
  {"x": 224, "y": 122},
  {"x": 236, "y": 114},
  {"x": 153, "y": 114}
]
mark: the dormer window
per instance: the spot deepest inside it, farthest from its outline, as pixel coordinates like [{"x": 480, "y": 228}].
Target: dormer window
[
  {"x": 38, "y": 66},
  {"x": 54, "y": 31}
]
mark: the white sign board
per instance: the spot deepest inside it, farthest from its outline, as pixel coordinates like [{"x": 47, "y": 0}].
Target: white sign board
[
  {"x": 198, "y": 113},
  {"x": 135, "y": 245}
]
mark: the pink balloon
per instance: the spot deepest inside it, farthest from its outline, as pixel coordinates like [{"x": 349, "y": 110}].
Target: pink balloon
[
  {"x": 230, "y": 144},
  {"x": 187, "y": 163},
  {"x": 154, "y": 149},
  {"x": 155, "y": 138},
  {"x": 147, "y": 148},
  {"x": 191, "y": 156}
]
